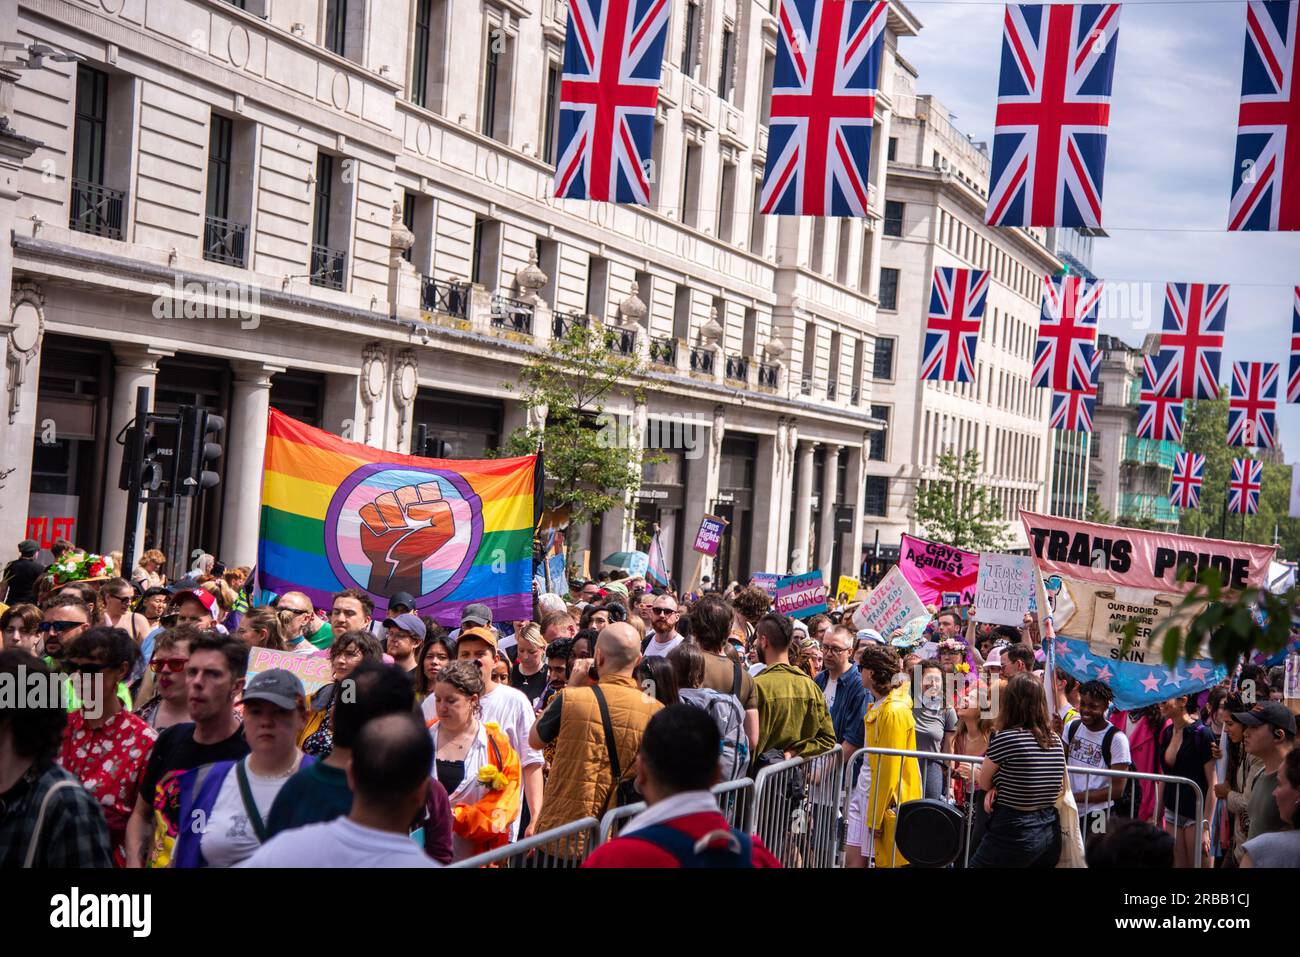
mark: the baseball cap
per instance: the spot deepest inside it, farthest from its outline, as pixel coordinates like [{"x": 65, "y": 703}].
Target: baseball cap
[
  {"x": 1270, "y": 712},
  {"x": 482, "y": 634},
  {"x": 278, "y": 686},
  {"x": 407, "y": 622},
  {"x": 476, "y": 614},
  {"x": 204, "y": 598},
  {"x": 28, "y": 547},
  {"x": 870, "y": 634},
  {"x": 402, "y": 598}
]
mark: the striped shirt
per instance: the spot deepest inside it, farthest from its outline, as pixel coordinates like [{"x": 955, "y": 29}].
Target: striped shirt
[{"x": 1028, "y": 777}]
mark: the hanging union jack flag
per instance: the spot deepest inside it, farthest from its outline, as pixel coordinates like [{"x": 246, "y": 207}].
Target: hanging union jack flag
[
  {"x": 1160, "y": 415},
  {"x": 608, "y": 95},
  {"x": 1072, "y": 409},
  {"x": 1049, "y": 136},
  {"x": 952, "y": 329},
  {"x": 1244, "y": 488},
  {"x": 1266, "y": 173},
  {"x": 1293, "y": 381},
  {"x": 1067, "y": 333},
  {"x": 1192, "y": 338},
  {"x": 823, "y": 100},
  {"x": 1185, "y": 488},
  {"x": 1252, "y": 404}
]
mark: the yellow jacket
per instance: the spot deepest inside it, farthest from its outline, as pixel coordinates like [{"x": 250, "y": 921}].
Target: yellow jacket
[{"x": 889, "y": 724}]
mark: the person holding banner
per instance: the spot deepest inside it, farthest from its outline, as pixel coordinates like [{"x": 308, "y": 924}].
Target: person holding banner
[{"x": 348, "y": 651}]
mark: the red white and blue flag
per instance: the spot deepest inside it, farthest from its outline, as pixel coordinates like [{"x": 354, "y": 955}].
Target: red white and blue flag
[
  {"x": 823, "y": 100},
  {"x": 608, "y": 94},
  {"x": 1049, "y": 137},
  {"x": 1293, "y": 381},
  {"x": 1073, "y": 409},
  {"x": 1252, "y": 404},
  {"x": 952, "y": 328},
  {"x": 1191, "y": 337},
  {"x": 1160, "y": 415},
  {"x": 1266, "y": 172},
  {"x": 1185, "y": 487},
  {"x": 1244, "y": 488},
  {"x": 1067, "y": 333}
]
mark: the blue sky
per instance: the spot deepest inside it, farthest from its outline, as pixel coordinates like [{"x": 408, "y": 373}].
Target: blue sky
[{"x": 1168, "y": 166}]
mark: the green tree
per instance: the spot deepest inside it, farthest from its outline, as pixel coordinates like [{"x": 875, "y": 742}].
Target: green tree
[
  {"x": 957, "y": 508},
  {"x": 591, "y": 456},
  {"x": 1094, "y": 512}
]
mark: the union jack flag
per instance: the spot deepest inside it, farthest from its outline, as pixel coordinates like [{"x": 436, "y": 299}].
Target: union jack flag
[
  {"x": 1266, "y": 173},
  {"x": 608, "y": 94},
  {"x": 1185, "y": 488},
  {"x": 1192, "y": 338},
  {"x": 1252, "y": 404},
  {"x": 1160, "y": 415},
  {"x": 1049, "y": 136},
  {"x": 952, "y": 329},
  {"x": 1072, "y": 409},
  {"x": 1244, "y": 489},
  {"x": 1067, "y": 333},
  {"x": 1293, "y": 382},
  {"x": 823, "y": 101}
]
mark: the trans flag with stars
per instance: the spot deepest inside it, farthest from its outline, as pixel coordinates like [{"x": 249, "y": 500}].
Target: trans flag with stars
[
  {"x": 613, "y": 53},
  {"x": 1137, "y": 685}
]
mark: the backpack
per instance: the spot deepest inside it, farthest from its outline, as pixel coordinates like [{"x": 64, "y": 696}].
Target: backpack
[
  {"x": 1127, "y": 799},
  {"x": 736, "y": 851},
  {"x": 729, "y": 716}
]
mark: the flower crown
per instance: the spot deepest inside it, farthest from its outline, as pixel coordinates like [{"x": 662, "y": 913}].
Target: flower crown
[
  {"x": 80, "y": 566},
  {"x": 953, "y": 645}
]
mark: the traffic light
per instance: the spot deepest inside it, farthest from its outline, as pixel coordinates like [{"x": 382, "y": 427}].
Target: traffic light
[
  {"x": 141, "y": 454},
  {"x": 195, "y": 449}
]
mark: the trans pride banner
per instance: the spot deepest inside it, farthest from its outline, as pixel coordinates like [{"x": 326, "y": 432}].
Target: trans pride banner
[{"x": 338, "y": 514}]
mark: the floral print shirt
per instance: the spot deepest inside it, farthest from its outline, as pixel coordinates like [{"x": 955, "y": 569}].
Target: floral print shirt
[{"x": 108, "y": 760}]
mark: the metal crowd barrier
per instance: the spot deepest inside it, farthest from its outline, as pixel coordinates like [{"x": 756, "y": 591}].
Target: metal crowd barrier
[
  {"x": 560, "y": 847},
  {"x": 971, "y": 812},
  {"x": 795, "y": 811},
  {"x": 732, "y": 802}
]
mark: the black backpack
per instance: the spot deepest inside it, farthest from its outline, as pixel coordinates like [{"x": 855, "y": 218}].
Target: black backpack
[{"x": 1126, "y": 805}]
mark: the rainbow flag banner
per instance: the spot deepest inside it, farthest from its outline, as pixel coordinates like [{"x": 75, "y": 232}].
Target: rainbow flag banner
[{"x": 338, "y": 514}]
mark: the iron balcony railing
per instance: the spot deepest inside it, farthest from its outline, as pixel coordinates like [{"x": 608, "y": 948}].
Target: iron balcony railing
[
  {"x": 562, "y": 323},
  {"x": 702, "y": 360},
  {"x": 737, "y": 368},
  {"x": 514, "y": 315},
  {"x": 620, "y": 341},
  {"x": 855, "y": 396},
  {"x": 831, "y": 391},
  {"x": 328, "y": 266},
  {"x": 767, "y": 375},
  {"x": 225, "y": 242},
  {"x": 663, "y": 351},
  {"x": 805, "y": 386},
  {"x": 97, "y": 209},
  {"x": 440, "y": 295}
]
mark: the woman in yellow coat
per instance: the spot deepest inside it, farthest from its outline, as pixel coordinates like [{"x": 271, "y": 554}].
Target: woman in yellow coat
[{"x": 881, "y": 788}]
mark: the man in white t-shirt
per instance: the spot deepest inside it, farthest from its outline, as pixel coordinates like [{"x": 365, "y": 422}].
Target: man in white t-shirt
[
  {"x": 1093, "y": 742},
  {"x": 663, "y": 624},
  {"x": 509, "y": 708},
  {"x": 389, "y": 777}
]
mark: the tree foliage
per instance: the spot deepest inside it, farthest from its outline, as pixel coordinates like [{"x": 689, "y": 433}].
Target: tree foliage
[
  {"x": 1094, "y": 511},
  {"x": 957, "y": 508}
]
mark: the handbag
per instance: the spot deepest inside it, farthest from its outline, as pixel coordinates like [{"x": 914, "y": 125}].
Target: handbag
[
  {"x": 623, "y": 792},
  {"x": 1067, "y": 812}
]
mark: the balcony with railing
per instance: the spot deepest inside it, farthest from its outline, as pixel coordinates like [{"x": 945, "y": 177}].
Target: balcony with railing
[
  {"x": 768, "y": 375},
  {"x": 512, "y": 315},
  {"x": 855, "y": 396},
  {"x": 1149, "y": 452},
  {"x": 563, "y": 323},
  {"x": 225, "y": 242},
  {"x": 702, "y": 360},
  {"x": 620, "y": 341},
  {"x": 440, "y": 295},
  {"x": 737, "y": 369},
  {"x": 805, "y": 386},
  {"x": 1136, "y": 505},
  {"x": 97, "y": 209},
  {"x": 663, "y": 351},
  {"x": 832, "y": 390},
  {"x": 328, "y": 266}
]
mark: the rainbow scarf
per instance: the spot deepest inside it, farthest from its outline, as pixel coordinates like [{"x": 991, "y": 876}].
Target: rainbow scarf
[{"x": 338, "y": 514}]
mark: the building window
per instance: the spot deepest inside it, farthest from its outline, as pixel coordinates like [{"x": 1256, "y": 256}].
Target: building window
[
  {"x": 875, "y": 496},
  {"x": 726, "y": 83},
  {"x": 882, "y": 361},
  {"x": 682, "y": 313},
  {"x": 817, "y": 252},
  {"x": 889, "y": 289},
  {"x": 878, "y": 447},
  {"x": 552, "y": 116},
  {"x": 893, "y": 218},
  {"x": 495, "y": 118},
  {"x": 843, "y": 252},
  {"x": 484, "y": 268},
  {"x": 220, "y": 136},
  {"x": 656, "y": 163},
  {"x": 726, "y": 202},
  {"x": 691, "y": 52},
  {"x": 95, "y": 208},
  {"x": 420, "y": 53},
  {"x": 336, "y": 24},
  {"x": 408, "y": 220},
  {"x": 765, "y": 100},
  {"x": 597, "y": 286},
  {"x": 691, "y": 186},
  {"x": 757, "y": 222},
  {"x": 224, "y": 239},
  {"x": 328, "y": 258},
  {"x": 891, "y": 151}
]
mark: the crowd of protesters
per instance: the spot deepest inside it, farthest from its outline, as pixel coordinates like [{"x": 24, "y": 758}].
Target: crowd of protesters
[{"x": 432, "y": 745}]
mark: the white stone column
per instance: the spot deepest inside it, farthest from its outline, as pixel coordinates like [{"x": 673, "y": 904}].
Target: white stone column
[
  {"x": 783, "y": 499},
  {"x": 134, "y": 366},
  {"x": 857, "y": 480},
  {"x": 800, "y": 547},
  {"x": 245, "y": 444},
  {"x": 830, "y": 474}
]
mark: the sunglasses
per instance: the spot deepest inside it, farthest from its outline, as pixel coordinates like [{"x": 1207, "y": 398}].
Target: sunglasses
[
  {"x": 174, "y": 665},
  {"x": 122, "y": 597},
  {"x": 58, "y": 626},
  {"x": 664, "y": 611}
]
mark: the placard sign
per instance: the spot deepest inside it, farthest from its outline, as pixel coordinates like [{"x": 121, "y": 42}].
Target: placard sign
[
  {"x": 1004, "y": 589},
  {"x": 314, "y": 671},
  {"x": 801, "y": 596},
  {"x": 709, "y": 535},
  {"x": 890, "y": 606}
]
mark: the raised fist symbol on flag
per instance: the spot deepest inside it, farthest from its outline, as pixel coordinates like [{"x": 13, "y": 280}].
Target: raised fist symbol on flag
[{"x": 399, "y": 531}]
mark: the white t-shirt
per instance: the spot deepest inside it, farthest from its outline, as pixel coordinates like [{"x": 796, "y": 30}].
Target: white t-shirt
[
  {"x": 510, "y": 708},
  {"x": 756, "y": 669},
  {"x": 657, "y": 650},
  {"x": 1085, "y": 752},
  {"x": 228, "y": 837},
  {"x": 339, "y": 843},
  {"x": 832, "y": 685}
]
